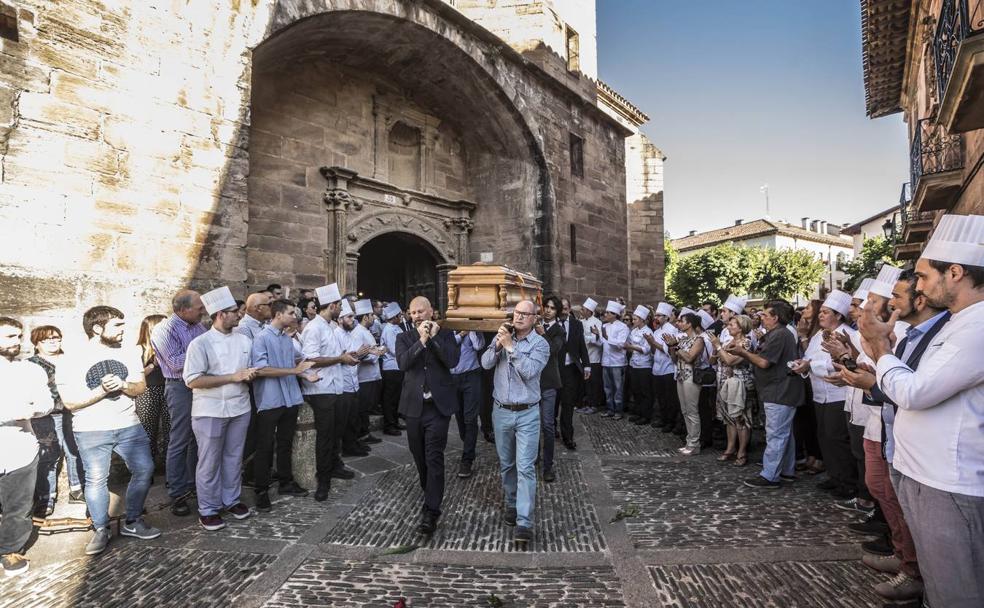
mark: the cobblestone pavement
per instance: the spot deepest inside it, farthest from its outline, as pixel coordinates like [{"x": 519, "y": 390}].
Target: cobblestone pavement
[{"x": 629, "y": 522}]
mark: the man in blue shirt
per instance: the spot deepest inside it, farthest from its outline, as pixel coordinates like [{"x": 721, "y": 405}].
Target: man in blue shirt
[
  {"x": 278, "y": 396},
  {"x": 467, "y": 377},
  {"x": 518, "y": 355}
]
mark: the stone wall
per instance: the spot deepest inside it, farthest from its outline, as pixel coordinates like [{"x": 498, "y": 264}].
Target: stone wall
[{"x": 646, "y": 254}]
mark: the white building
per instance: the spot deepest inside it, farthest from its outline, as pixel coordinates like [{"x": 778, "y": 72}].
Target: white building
[{"x": 873, "y": 226}]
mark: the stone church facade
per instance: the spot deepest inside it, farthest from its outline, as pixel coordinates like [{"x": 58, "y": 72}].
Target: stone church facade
[{"x": 378, "y": 143}]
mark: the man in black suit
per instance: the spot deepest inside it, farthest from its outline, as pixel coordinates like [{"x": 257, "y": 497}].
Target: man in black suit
[
  {"x": 426, "y": 353},
  {"x": 575, "y": 369}
]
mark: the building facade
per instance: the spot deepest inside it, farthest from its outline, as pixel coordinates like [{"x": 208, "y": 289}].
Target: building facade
[
  {"x": 147, "y": 147},
  {"x": 925, "y": 59},
  {"x": 882, "y": 224}
]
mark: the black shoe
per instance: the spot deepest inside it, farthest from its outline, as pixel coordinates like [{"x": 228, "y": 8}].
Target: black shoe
[
  {"x": 666, "y": 429},
  {"x": 355, "y": 453},
  {"x": 370, "y": 438},
  {"x": 761, "y": 482},
  {"x": 490, "y": 437},
  {"x": 642, "y": 421},
  {"x": 549, "y": 476},
  {"x": 76, "y": 497},
  {"x": 843, "y": 493},
  {"x": 291, "y": 488},
  {"x": 465, "y": 469},
  {"x": 324, "y": 489},
  {"x": 828, "y": 484},
  {"x": 263, "y": 501},
  {"x": 180, "y": 507},
  {"x": 400, "y": 426},
  {"x": 869, "y": 527},
  {"x": 879, "y": 546},
  {"x": 523, "y": 536},
  {"x": 392, "y": 431},
  {"x": 343, "y": 473},
  {"x": 570, "y": 445},
  {"x": 510, "y": 516},
  {"x": 428, "y": 524}
]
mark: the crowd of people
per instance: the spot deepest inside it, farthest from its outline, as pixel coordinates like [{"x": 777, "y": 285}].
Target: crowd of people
[{"x": 880, "y": 391}]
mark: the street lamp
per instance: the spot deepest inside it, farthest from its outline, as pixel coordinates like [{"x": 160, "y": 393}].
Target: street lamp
[{"x": 889, "y": 229}]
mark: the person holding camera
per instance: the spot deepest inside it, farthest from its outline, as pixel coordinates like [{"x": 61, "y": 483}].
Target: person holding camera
[{"x": 426, "y": 355}]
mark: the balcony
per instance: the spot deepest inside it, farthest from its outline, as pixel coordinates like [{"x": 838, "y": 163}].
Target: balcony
[
  {"x": 915, "y": 225},
  {"x": 958, "y": 49},
  {"x": 936, "y": 165}
]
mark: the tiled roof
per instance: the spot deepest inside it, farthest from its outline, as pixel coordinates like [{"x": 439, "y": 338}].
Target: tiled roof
[
  {"x": 750, "y": 230},
  {"x": 884, "y": 39},
  {"x": 855, "y": 228}
]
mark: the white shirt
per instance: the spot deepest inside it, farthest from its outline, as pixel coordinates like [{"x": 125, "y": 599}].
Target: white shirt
[
  {"x": 80, "y": 371},
  {"x": 821, "y": 365},
  {"x": 873, "y": 422},
  {"x": 350, "y": 373},
  {"x": 592, "y": 341},
  {"x": 637, "y": 337},
  {"x": 217, "y": 354},
  {"x": 368, "y": 368},
  {"x": 939, "y": 426},
  {"x": 388, "y": 339},
  {"x": 662, "y": 363},
  {"x": 319, "y": 340},
  {"x": 26, "y": 395},
  {"x": 613, "y": 347}
]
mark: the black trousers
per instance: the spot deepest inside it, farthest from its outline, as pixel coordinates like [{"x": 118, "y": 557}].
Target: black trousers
[
  {"x": 642, "y": 391},
  {"x": 596, "y": 388},
  {"x": 469, "y": 388},
  {"x": 857, "y": 452},
  {"x": 707, "y": 408},
  {"x": 805, "y": 432},
  {"x": 485, "y": 412},
  {"x": 276, "y": 425},
  {"x": 350, "y": 432},
  {"x": 665, "y": 390},
  {"x": 17, "y": 498},
  {"x": 835, "y": 443},
  {"x": 427, "y": 436},
  {"x": 329, "y": 422},
  {"x": 249, "y": 448},
  {"x": 392, "y": 384},
  {"x": 369, "y": 393},
  {"x": 571, "y": 395}
]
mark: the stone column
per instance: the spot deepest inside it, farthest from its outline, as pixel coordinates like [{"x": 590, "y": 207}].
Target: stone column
[
  {"x": 460, "y": 228},
  {"x": 442, "y": 285},
  {"x": 337, "y": 200},
  {"x": 352, "y": 271}
]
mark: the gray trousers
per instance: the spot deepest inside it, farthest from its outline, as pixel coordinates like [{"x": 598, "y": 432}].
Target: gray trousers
[
  {"x": 220, "y": 458},
  {"x": 948, "y": 530}
]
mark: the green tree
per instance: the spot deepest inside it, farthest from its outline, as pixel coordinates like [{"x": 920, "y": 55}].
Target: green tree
[
  {"x": 874, "y": 253},
  {"x": 671, "y": 262},
  {"x": 785, "y": 273},
  {"x": 712, "y": 274}
]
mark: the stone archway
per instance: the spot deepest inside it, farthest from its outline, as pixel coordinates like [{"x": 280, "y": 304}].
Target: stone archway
[{"x": 397, "y": 266}]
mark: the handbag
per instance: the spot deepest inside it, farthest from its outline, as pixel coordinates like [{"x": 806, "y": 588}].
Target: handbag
[{"x": 704, "y": 376}]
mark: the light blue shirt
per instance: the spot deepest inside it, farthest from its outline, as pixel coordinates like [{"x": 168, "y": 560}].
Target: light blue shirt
[
  {"x": 388, "y": 339},
  {"x": 470, "y": 345},
  {"x": 250, "y": 327},
  {"x": 274, "y": 348},
  {"x": 517, "y": 374}
]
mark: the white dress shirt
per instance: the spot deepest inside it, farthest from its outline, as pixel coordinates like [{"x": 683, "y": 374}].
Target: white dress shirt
[
  {"x": 368, "y": 368},
  {"x": 637, "y": 337},
  {"x": 821, "y": 365},
  {"x": 350, "y": 373},
  {"x": 217, "y": 354},
  {"x": 939, "y": 426},
  {"x": 319, "y": 340},
  {"x": 662, "y": 363},
  {"x": 592, "y": 341},
  {"x": 613, "y": 347},
  {"x": 26, "y": 395}
]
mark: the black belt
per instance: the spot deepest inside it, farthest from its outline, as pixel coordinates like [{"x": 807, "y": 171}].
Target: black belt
[{"x": 518, "y": 407}]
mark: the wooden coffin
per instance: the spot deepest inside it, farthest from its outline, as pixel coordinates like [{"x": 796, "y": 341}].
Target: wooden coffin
[{"x": 481, "y": 297}]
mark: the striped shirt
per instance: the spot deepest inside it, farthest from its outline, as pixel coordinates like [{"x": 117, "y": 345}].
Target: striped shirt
[{"x": 170, "y": 339}]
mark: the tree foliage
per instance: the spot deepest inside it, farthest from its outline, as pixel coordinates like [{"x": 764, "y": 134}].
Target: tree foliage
[
  {"x": 786, "y": 273},
  {"x": 874, "y": 252},
  {"x": 671, "y": 261}
]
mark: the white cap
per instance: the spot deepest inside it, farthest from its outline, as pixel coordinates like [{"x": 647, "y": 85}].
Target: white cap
[
  {"x": 346, "y": 309},
  {"x": 218, "y": 299},
  {"x": 664, "y": 309},
  {"x": 861, "y": 293},
  {"x": 885, "y": 282},
  {"x": 706, "y": 320},
  {"x": 391, "y": 310},
  {"x": 736, "y": 304},
  {"x": 958, "y": 239},
  {"x": 328, "y": 294},
  {"x": 614, "y": 307},
  {"x": 838, "y": 301},
  {"x": 641, "y": 311},
  {"x": 687, "y": 311},
  {"x": 363, "y": 307},
  {"x": 590, "y": 304}
]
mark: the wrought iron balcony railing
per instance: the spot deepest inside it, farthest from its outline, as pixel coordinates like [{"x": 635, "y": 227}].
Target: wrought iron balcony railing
[
  {"x": 959, "y": 20},
  {"x": 908, "y": 215},
  {"x": 933, "y": 151}
]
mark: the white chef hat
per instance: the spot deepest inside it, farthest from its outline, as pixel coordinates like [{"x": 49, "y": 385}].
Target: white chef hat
[
  {"x": 736, "y": 304},
  {"x": 885, "y": 283},
  {"x": 686, "y": 311},
  {"x": 861, "y": 293},
  {"x": 958, "y": 239},
  {"x": 614, "y": 307},
  {"x": 391, "y": 310},
  {"x": 363, "y": 307},
  {"x": 328, "y": 294},
  {"x": 590, "y": 304},
  {"x": 217, "y": 300},
  {"x": 346, "y": 309},
  {"x": 664, "y": 309},
  {"x": 641, "y": 311},
  {"x": 706, "y": 320},
  {"x": 838, "y": 301}
]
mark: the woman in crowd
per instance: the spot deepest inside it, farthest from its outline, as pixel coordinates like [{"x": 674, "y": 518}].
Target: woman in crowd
[
  {"x": 736, "y": 391},
  {"x": 809, "y": 457},
  {"x": 689, "y": 353},
  {"x": 151, "y": 405},
  {"x": 309, "y": 310}
]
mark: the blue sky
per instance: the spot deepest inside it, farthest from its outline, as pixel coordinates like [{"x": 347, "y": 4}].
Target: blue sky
[{"x": 744, "y": 93}]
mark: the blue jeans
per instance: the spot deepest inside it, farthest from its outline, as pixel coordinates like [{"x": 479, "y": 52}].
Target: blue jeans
[
  {"x": 63, "y": 427},
  {"x": 779, "y": 457},
  {"x": 548, "y": 424},
  {"x": 517, "y": 440},
  {"x": 614, "y": 378},
  {"x": 96, "y": 449},
  {"x": 182, "y": 451}
]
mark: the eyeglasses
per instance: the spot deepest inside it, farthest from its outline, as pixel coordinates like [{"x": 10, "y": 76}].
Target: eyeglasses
[
  {"x": 523, "y": 315},
  {"x": 52, "y": 339}
]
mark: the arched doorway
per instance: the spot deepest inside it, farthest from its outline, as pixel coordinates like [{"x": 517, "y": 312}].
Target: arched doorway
[{"x": 397, "y": 266}]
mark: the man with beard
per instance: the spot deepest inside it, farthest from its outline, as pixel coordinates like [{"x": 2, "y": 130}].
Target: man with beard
[
  {"x": 98, "y": 383},
  {"x": 349, "y": 340},
  {"x": 27, "y": 396}
]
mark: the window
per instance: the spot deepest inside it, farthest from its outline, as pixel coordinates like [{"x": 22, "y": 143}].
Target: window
[
  {"x": 573, "y": 244},
  {"x": 577, "y": 156},
  {"x": 8, "y": 22},
  {"x": 573, "y": 51}
]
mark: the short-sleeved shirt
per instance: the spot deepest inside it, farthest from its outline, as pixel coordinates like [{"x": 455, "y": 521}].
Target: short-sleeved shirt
[
  {"x": 775, "y": 384},
  {"x": 82, "y": 370},
  {"x": 273, "y": 348},
  {"x": 318, "y": 340},
  {"x": 217, "y": 354}
]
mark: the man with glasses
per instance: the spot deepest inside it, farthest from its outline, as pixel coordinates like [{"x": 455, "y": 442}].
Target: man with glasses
[
  {"x": 257, "y": 317},
  {"x": 518, "y": 355}
]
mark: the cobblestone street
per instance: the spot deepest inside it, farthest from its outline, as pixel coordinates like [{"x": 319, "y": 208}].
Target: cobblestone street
[{"x": 627, "y": 523}]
